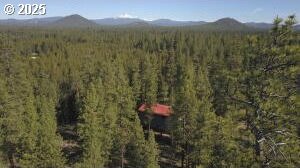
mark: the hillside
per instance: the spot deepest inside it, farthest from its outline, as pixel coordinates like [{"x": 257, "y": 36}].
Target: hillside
[
  {"x": 29, "y": 22},
  {"x": 260, "y": 25},
  {"x": 140, "y": 24},
  {"x": 226, "y": 24},
  {"x": 174, "y": 23},
  {"x": 73, "y": 21}
]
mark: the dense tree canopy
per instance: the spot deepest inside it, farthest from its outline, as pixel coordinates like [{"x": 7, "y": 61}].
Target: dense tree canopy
[{"x": 70, "y": 97}]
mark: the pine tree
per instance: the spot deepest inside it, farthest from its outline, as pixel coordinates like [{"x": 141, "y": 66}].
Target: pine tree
[
  {"x": 30, "y": 118},
  {"x": 186, "y": 113},
  {"x": 206, "y": 120},
  {"x": 90, "y": 127},
  {"x": 152, "y": 150},
  {"x": 267, "y": 92},
  {"x": 49, "y": 143},
  {"x": 136, "y": 147},
  {"x": 109, "y": 115},
  {"x": 129, "y": 142},
  {"x": 163, "y": 92},
  {"x": 170, "y": 75},
  {"x": 136, "y": 82},
  {"x": 149, "y": 88}
]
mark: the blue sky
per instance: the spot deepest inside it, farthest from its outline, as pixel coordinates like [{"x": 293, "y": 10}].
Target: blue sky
[{"x": 196, "y": 10}]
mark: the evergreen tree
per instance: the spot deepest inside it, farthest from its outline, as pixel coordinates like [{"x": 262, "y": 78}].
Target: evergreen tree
[
  {"x": 150, "y": 79},
  {"x": 136, "y": 82},
  {"x": 29, "y": 139},
  {"x": 170, "y": 75},
  {"x": 49, "y": 143},
  {"x": 186, "y": 113},
  {"x": 109, "y": 116},
  {"x": 152, "y": 150},
  {"x": 90, "y": 127},
  {"x": 163, "y": 92},
  {"x": 129, "y": 140},
  {"x": 267, "y": 92},
  {"x": 206, "y": 120}
]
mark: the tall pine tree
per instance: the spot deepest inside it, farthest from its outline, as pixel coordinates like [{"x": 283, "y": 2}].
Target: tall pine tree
[{"x": 90, "y": 128}]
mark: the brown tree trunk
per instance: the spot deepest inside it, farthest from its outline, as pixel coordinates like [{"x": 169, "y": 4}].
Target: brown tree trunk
[
  {"x": 149, "y": 125},
  {"x": 122, "y": 156},
  {"x": 12, "y": 160},
  {"x": 257, "y": 147},
  {"x": 182, "y": 158},
  {"x": 258, "y": 141}
]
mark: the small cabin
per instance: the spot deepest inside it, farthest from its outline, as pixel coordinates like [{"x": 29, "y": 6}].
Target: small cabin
[{"x": 159, "y": 115}]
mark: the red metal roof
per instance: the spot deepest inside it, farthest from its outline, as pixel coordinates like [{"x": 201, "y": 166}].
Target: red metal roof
[{"x": 158, "y": 109}]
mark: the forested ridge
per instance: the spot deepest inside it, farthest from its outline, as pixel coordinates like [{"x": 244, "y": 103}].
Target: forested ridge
[{"x": 70, "y": 97}]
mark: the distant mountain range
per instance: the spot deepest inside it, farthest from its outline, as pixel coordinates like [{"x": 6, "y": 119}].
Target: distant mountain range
[
  {"x": 29, "y": 22},
  {"x": 259, "y": 25},
  {"x": 226, "y": 24},
  {"x": 77, "y": 21},
  {"x": 72, "y": 21},
  {"x": 173, "y": 23}
]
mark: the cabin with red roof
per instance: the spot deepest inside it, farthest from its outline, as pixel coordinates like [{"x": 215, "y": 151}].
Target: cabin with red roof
[
  {"x": 157, "y": 109},
  {"x": 158, "y": 113}
]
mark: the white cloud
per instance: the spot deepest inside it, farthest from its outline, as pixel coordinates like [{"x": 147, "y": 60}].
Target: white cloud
[
  {"x": 126, "y": 15},
  {"x": 257, "y": 10}
]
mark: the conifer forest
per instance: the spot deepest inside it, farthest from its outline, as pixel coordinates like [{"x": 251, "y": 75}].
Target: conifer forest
[{"x": 150, "y": 97}]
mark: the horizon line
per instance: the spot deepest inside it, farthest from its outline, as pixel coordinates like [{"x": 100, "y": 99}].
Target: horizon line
[{"x": 148, "y": 20}]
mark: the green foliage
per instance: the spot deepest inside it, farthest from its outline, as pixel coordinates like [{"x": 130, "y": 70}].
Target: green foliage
[
  {"x": 49, "y": 143},
  {"x": 186, "y": 115},
  {"x": 150, "y": 80},
  {"x": 19, "y": 116},
  {"x": 152, "y": 150},
  {"x": 3, "y": 102},
  {"x": 90, "y": 127},
  {"x": 129, "y": 135},
  {"x": 267, "y": 91},
  {"x": 228, "y": 92}
]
